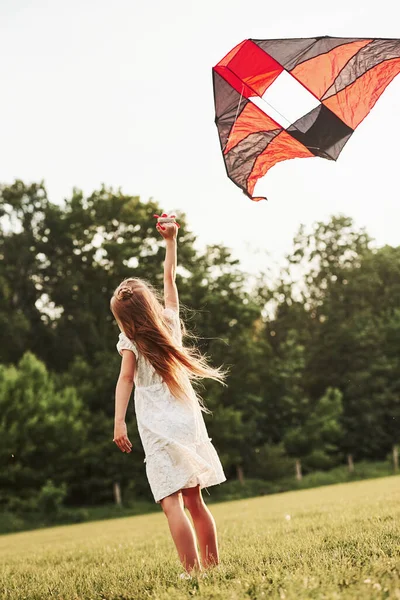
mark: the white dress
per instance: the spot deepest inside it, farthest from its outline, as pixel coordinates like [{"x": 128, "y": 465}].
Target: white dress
[{"x": 179, "y": 453}]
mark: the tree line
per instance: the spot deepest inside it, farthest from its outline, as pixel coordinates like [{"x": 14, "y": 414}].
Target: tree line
[{"x": 314, "y": 356}]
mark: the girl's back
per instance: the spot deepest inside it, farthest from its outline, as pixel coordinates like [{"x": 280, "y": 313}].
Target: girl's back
[{"x": 178, "y": 451}]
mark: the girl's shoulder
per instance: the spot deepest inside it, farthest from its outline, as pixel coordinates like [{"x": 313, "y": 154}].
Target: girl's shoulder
[{"x": 124, "y": 343}]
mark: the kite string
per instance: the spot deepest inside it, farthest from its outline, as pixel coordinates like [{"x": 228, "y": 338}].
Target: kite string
[
  {"x": 290, "y": 124},
  {"x": 279, "y": 113},
  {"x": 238, "y": 106},
  {"x": 236, "y": 116},
  {"x": 273, "y": 108},
  {"x": 266, "y": 102}
]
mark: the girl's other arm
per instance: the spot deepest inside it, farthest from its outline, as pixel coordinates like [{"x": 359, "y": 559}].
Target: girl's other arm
[
  {"x": 123, "y": 393},
  {"x": 171, "y": 297}
]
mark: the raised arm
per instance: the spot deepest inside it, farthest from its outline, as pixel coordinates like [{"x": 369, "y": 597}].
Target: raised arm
[{"x": 169, "y": 232}]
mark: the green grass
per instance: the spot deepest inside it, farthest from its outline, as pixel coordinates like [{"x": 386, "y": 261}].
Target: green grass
[
  {"x": 12, "y": 522},
  {"x": 341, "y": 541}
]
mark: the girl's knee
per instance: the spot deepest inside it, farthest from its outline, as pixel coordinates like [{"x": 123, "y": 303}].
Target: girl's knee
[
  {"x": 193, "y": 499},
  {"x": 171, "y": 504}
]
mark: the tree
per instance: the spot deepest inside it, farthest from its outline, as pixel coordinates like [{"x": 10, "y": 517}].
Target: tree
[
  {"x": 317, "y": 440},
  {"x": 42, "y": 430},
  {"x": 22, "y": 213}
]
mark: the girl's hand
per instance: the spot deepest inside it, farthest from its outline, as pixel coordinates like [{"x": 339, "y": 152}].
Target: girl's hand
[
  {"x": 121, "y": 436},
  {"x": 169, "y": 231}
]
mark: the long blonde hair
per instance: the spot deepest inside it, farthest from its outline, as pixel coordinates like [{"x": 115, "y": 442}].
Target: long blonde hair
[{"x": 138, "y": 310}]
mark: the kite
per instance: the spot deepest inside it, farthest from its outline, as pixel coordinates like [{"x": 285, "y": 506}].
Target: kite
[{"x": 300, "y": 97}]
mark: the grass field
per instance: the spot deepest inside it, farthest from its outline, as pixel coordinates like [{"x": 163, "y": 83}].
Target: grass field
[{"x": 340, "y": 541}]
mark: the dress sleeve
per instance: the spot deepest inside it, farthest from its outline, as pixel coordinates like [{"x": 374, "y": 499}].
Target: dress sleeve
[
  {"x": 173, "y": 318},
  {"x": 125, "y": 343}
]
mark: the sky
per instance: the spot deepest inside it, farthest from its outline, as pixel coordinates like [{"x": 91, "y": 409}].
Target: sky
[{"x": 121, "y": 93}]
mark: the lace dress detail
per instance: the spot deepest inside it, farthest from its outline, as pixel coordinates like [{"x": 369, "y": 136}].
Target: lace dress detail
[{"x": 179, "y": 454}]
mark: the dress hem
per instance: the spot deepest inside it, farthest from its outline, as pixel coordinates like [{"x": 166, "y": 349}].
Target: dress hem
[{"x": 215, "y": 481}]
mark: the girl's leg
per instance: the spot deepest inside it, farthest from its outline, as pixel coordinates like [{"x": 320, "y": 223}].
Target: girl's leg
[
  {"x": 181, "y": 531},
  {"x": 204, "y": 525}
]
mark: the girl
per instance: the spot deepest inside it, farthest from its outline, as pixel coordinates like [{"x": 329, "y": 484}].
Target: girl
[{"x": 180, "y": 458}]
